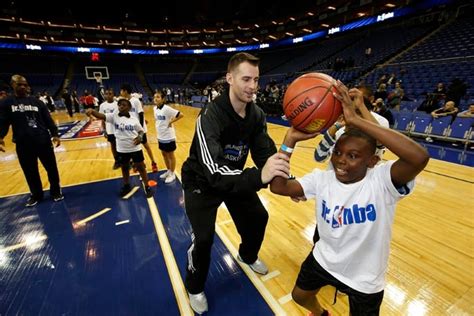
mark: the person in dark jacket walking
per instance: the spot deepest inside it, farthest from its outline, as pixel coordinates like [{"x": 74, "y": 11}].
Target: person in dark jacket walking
[
  {"x": 227, "y": 129},
  {"x": 33, "y": 129}
]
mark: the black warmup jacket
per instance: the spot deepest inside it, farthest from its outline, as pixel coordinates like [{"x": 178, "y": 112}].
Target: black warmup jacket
[
  {"x": 221, "y": 144},
  {"x": 29, "y": 118}
]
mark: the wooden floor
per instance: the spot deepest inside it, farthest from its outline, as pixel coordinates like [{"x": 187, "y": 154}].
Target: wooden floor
[{"x": 431, "y": 262}]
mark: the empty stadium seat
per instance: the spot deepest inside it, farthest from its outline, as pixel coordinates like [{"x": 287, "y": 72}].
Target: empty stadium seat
[
  {"x": 440, "y": 126},
  {"x": 461, "y": 129},
  {"x": 403, "y": 122}
]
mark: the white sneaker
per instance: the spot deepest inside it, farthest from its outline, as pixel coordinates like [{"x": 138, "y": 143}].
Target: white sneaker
[
  {"x": 164, "y": 175},
  {"x": 170, "y": 178},
  {"x": 258, "y": 266},
  {"x": 198, "y": 302}
]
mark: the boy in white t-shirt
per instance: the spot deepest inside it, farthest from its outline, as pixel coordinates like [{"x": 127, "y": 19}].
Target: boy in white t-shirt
[
  {"x": 355, "y": 209},
  {"x": 165, "y": 116},
  {"x": 362, "y": 98},
  {"x": 129, "y": 135},
  {"x": 137, "y": 111},
  {"x": 110, "y": 106}
]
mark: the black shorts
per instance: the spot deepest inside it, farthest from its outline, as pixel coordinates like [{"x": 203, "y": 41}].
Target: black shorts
[
  {"x": 312, "y": 277},
  {"x": 144, "y": 139},
  {"x": 124, "y": 158},
  {"x": 111, "y": 138},
  {"x": 168, "y": 147}
]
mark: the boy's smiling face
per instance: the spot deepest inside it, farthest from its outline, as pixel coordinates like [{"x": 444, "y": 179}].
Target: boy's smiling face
[
  {"x": 351, "y": 158},
  {"x": 124, "y": 106}
]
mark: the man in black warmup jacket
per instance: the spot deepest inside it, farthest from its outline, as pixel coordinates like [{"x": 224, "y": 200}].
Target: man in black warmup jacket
[
  {"x": 33, "y": 128},
  {"x": 227, "y": 129}
]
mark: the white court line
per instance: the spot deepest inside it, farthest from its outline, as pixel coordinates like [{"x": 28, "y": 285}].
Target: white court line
[
  {"x": 270, "y": 275},
  {"x": 277, "y": 309},
  {"x": 89, "y": 218},
  {"x": 225, "y": 222},
  {"x": 285, "y": 299},
  {"x": 122, "y": 222},
  {"x": 170, "y": 261},
  {"x": 132, "y": 192}
]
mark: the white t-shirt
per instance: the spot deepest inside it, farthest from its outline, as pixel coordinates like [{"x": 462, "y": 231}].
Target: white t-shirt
[
  {"x": 136, "y": 109},
  {"x": 355, "y": 225},
  {"x": 105, "y": 108},
  {"x": 126, "y": 130},
  {"x": 163, "y": 116}
]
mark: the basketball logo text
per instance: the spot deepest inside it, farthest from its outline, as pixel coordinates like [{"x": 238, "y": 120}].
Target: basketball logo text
[
  {"x": 343, "y": 216},
  {"x": 303, "y": 106}
]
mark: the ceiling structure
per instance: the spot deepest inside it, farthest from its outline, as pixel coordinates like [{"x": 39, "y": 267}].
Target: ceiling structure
[{"x": 177, "y": 24}]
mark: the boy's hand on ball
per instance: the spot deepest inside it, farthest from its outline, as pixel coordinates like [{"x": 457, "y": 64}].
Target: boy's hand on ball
[
  {"x": 347, "y": 105},
  {"x": 294, "y": 135},
  {"x": 357, "y": 96}
]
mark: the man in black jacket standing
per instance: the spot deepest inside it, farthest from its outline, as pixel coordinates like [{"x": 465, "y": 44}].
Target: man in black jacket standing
[
  {"x": 227, "y": 129},
  {"x": 33, "y": 129}
]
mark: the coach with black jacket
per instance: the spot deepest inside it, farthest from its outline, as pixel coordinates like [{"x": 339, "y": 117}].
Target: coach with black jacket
[
  {"x": 33, "y": 129},
  {"x": 227, "y": 129}
]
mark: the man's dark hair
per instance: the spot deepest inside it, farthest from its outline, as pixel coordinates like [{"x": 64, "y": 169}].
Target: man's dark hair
[{"x": 239, "y": 58}]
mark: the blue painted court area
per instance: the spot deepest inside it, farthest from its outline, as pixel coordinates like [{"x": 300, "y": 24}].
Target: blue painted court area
[
  {"x": 228, "y": 290},
  {"x": 112, "y": 264}
]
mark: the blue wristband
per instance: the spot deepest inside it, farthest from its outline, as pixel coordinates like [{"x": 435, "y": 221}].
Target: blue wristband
[{"x": 286, "y": 149}]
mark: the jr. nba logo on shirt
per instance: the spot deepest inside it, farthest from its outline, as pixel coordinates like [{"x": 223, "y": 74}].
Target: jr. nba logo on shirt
[{"x": 342, "y": 215}]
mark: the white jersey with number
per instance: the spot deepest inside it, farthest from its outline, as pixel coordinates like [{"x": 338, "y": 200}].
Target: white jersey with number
[
  {"x": 163, "y": 116},
  {"x": 107, "y": 108},
  {"x": 355, "y": 224}
]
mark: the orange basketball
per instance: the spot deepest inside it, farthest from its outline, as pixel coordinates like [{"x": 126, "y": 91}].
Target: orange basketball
[{"x": 309, "y": 103}]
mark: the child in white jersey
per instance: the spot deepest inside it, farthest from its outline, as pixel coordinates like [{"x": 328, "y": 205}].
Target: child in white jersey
[
  {"x": 355, "y": 209},
  {"x": 110, "y": 106},
  {"x": 165, "y": 116},
  {"x": 128, "y": 134}
]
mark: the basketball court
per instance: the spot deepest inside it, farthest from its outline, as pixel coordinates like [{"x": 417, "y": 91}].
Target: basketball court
[{"x": 94, "y": 253}]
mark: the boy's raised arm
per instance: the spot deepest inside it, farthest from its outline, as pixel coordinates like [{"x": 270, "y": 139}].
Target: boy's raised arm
[
  {"x": 412, "y": 156},
  {"x": 96, "y": 114},
  {"x": 282, "y": 185}
]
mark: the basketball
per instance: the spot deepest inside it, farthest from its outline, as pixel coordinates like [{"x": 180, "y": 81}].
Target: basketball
[{"x": 309, "y": 103}]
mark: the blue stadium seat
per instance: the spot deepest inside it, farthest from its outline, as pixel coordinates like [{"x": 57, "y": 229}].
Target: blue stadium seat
[
  {"x": 421, "y": 124},
  {"x": 461, "y": 129},
  {"x": 403, "y": 123},
  {"x": 440, "y": 126}
]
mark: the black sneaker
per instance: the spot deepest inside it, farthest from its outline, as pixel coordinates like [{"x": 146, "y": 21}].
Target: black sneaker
[
  {"x": 31, "y": 202},
  {"x": 148, "y": 192},
  {"x": 125, "y": 189},
  {"x": 58, "y": 197}
]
